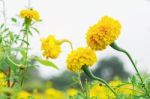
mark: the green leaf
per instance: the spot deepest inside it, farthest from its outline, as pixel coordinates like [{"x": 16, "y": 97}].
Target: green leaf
[
  {"x": 2, "y": 25},
  {"x": 5, "y": 30},
  {"x": 46, "y": 62},
  {"x": 14, "y": 20},
  {"x": 35, "y": 29},
  {"x": 11, "y": 36},
  {"x": 23, "y": 53},
  {"x": 27, "y": 43}
]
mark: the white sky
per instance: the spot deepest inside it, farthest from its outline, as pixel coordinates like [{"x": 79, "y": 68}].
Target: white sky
[{"x": 70, "y": 19}]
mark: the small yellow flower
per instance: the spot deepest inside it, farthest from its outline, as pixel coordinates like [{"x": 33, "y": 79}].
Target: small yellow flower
[
  {"x": 82, "y": 56},
  {"x": 23, "y": 95},
  {"x": 72, "y": 92},
  {"x": 103, "y": 33},
  {"x": 30, "y": 14},
  {"x": 52, "y": 93},
  {"x": 51, "y": 47}
]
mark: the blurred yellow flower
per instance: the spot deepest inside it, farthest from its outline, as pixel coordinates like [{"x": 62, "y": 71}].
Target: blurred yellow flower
[
  {"x": 30, "y": 14},
  {"x": 126, "y": 89},
  {"x": 3, "y": 82},
  {"x": 36, "y": 94},
  {"x": 52, "y": 93},
  {"x": 72, "y": 92},
  {"x": 82, "y": 56},
  {"x": 51, "y": 47},
  {"x": 23, "y": 95},
  {"x": 103, "y": 33},
  {"x": 114, "y": 83},
  {"x": 100, "y": 92}
]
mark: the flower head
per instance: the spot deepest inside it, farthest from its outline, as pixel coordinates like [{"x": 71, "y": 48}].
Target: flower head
[
  {"x": 51, "y": 47},
  {"x": 30, "y": 14},
  {"x": 82, "y": 56},
  {"x": 103, "y": 33}
]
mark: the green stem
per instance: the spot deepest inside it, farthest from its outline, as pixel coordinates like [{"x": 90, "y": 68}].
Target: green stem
[
  {"x": 116, "y": 47},
  {"x": 91, "y": 75},
  {"x": 27, "y": 26},
  {"x": 79, "y": 79},
  {"x": 67, "y": 41}
]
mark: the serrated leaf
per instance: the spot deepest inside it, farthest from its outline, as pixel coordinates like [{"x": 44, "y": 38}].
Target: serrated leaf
[{"x": 46, "y": 62}]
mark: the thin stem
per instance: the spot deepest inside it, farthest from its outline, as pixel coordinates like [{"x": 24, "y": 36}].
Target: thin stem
[
  {"x": 27, "y": 26},
  {"x": 67, "y": 41},
  {"x": 29, "y": 4},
  {"x": 116, "y": 47},
  {"x": 9, "y": 74},
  {"x": 79, "y": 78},
  {"x": 91, "y": 75},
  {"x": 4, "y": 12}
]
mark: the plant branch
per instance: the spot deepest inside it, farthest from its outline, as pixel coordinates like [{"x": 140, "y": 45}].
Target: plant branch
[{"x": 116, "y": 47}]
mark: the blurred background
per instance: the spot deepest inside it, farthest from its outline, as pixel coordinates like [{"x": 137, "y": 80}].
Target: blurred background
[{"x": 70, "y": 19}]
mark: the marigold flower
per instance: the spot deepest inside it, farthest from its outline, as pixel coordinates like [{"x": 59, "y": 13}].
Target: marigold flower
[
  {"x": 30, "y": 14},
  {"x": 103, "y": 33},
  {"x": 82, "y": 56},
  {"x": 51, "y": 47}
]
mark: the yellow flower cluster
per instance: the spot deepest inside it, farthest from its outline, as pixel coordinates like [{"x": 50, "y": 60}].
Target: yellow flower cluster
[
  {"x": 3, "y": 82},
  {"x": 52, "y": 93},
  {"x": 30, "y": 14},
  {"x": 82, "y": 56},
  {"x": 51, "y": 47},
  {"x": 103, "y": 33}
]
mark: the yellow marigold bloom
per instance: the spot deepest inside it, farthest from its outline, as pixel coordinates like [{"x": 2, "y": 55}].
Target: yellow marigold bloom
[
  {"x": 3, "y": 82},
  {"x": 51, "y": 47},
  {"x": 103, "y": 33},
  {"x": 30, "y": 14},
  {"x": 23, "y": 95},
  {"x": 82, "y": 56},
  {"x": 72, "y": 92},
  {"x": 52, "y": 93}
]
